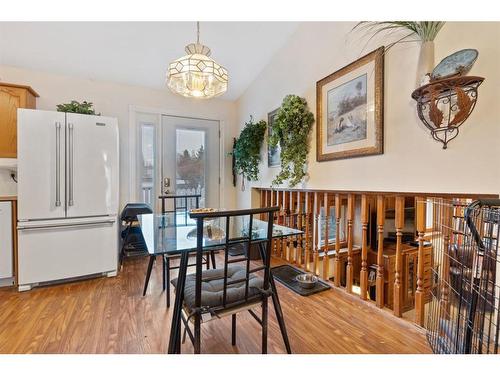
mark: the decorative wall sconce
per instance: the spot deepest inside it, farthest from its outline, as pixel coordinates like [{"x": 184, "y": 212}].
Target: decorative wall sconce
[{"x": 443, "y": 105}]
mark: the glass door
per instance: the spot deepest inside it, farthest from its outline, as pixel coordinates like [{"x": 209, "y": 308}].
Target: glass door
[
  {"x": 190, "y": 160},
  {"x": 147, "y": 156}
]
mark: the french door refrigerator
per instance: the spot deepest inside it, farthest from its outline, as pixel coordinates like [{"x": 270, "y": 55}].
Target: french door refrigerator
[{"x": 67, "y": 196}]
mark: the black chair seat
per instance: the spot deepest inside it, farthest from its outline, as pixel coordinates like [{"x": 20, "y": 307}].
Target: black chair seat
[
  {"x": 212, "y": 287},
  {"x": 131, "y": 210}
]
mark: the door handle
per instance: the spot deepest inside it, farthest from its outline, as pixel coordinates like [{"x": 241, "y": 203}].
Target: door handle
[
  {"x": 58, "y": 164},
  {"x": 73, "y": 225},
  {"x": 70, "y": 167},
  {"x": 166, "y": 185}
]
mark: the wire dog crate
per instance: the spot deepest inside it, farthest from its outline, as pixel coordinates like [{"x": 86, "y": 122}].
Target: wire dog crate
[{"x": 463, "y": 313}]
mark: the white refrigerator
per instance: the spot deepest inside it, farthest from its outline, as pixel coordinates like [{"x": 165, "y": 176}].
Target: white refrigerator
[{"x": 67, "y": 196}]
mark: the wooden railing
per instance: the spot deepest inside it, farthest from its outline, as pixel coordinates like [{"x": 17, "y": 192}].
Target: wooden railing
[{"x": 353, "y": 254}]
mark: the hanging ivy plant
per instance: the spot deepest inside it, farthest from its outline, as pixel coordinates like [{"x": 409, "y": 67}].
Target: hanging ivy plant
[
  {"x": 247, "y": 149},
  {"x": 291, "y": 128}
]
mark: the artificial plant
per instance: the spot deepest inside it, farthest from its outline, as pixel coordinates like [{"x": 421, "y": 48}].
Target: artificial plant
[
  {"x": 291, "y": 128},
  {"x": 247, "y": 149},
  {"x": 413, "y": 31},
  {"x": 77, "y": 107}
]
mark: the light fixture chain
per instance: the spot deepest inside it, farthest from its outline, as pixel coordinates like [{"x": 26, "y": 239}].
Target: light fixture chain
[{"x": 198, "y": 32}]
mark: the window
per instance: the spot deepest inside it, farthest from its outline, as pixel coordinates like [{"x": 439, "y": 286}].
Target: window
[{"x": 146, "y": 151}]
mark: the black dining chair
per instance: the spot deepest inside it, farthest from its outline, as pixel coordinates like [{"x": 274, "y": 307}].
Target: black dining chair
[
  {"x": 132, "y": 239},
  {"x": 240, "y": 285},
  {"x": 181, "y": 203}
]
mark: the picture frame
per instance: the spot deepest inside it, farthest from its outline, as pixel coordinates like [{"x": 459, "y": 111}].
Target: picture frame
[
  {"x": 273, "y": 153},
  {"x": 350, "y": 110}
]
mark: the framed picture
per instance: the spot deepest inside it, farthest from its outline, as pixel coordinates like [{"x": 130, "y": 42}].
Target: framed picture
[
  {"x": 350, "y": 110},
  {"x": 273, "y": 153}
]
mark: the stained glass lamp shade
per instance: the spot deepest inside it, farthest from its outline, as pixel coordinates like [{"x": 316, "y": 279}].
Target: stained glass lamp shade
[{"x": 196, "y": 75}]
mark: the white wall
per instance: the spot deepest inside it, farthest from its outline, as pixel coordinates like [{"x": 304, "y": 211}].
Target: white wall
[
  {"x": 114, "y": 100},
  {"x": 412, "y": 161}
]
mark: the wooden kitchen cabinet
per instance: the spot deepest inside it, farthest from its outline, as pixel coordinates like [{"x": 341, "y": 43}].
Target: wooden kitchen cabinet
[
  {"x": 12, "y": 97},
  {"x": 8, "y": 241}
]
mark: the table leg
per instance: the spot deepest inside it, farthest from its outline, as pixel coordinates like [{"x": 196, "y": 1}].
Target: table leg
[
  {"x": 167, "y": 272},
  {"x": 148, "y": 273},
  {"x": 277, "y": 305},
  {"x": 163, "y": 266},
  {"x": 174, "y": 344},
  {"x": 279, "y": 313},
  {"x": 212, "y": 256},
  {"x": 124, "y": 243}
]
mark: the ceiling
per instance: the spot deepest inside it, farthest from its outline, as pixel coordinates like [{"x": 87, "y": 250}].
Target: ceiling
[{"x": 138, "y": 53}]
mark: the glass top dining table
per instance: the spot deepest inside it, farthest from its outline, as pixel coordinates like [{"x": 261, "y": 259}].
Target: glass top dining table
[{"x": 168, "y": 234}]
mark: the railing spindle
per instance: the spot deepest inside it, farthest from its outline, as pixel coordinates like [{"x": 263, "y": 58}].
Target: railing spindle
[
  {"x": 273, "y": 202},
  {"x": 380, "y": 250},
  {"x": 363, "y": 282},
  {"x": 284, "y": 240},
  {"x": 337, "y": 264},
  {"x": 298, "y": 225},
  {"x": 279, "y": 202},
  {"x": 317, "y": 197},
  {"x": 308, "y": 237},
  {"x": 445, "y": 271},
  {"x": 350, "y": 239},
  {"x": 400, "y": 222},
  {"x": 419, "y": 294},
  {"x": 326, "y": 259}
]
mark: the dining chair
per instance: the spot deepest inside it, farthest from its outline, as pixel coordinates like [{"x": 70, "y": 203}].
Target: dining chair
[
  {"x": 186, "y": 204},
  {"x": 132, "y": 239},
  {"x": 233, "y": 288}
]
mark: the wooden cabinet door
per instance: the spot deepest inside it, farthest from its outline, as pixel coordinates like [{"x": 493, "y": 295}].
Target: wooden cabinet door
[{"x": 12, "y": 98}]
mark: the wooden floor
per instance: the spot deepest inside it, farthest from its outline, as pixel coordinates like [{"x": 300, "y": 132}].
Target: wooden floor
[{"x": 109, "y": 315}]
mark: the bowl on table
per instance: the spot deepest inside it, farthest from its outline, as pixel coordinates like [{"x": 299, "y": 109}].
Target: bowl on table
[{"x": 306, "y": 280}]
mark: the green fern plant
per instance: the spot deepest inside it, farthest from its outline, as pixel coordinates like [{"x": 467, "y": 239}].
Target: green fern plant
[{"x": 291, "y": 128}]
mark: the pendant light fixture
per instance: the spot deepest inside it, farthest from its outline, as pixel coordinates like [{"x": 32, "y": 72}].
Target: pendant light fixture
[{"x": 196, "y": 75}]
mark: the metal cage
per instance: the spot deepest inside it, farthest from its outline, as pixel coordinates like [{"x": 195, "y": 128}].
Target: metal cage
[{"x": 463, "y": 313}]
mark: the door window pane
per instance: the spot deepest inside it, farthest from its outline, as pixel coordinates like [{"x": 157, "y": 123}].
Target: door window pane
[
  {"x": 146, "y": 167},
  {"x": 190, "y": 163}
]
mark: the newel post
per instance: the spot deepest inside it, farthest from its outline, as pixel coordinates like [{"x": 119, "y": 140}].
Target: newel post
[
  {"x": 364, "y": 248},
  {"x": 419, "y": 294},
  {"x": 400, "y": 222}
]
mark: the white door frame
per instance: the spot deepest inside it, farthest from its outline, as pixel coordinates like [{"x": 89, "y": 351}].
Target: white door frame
[{"x": 159, "y": 112}]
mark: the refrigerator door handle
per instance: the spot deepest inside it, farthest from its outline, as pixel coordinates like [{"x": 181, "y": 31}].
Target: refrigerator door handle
[
  {"x": 73, "y": 225},
  {"x": 58, "y": 164},
  {"x": 70, "y": 167}
]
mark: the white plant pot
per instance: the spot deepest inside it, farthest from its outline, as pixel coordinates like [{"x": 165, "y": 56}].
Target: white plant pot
[{"x": 425, "y": 61}]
